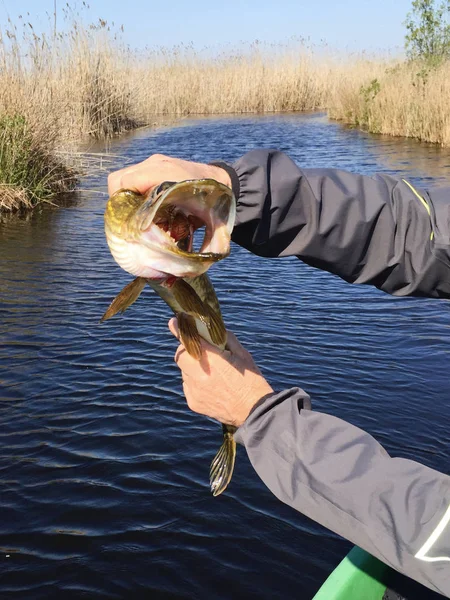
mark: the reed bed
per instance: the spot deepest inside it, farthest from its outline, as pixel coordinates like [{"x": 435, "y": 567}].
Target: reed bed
[
  {"x": 251, "y": 82},
  {"x": 58, "y": 90},
  {"x": 409, "y": 99}
]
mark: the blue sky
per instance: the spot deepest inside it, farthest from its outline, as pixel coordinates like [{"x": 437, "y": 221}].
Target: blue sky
[{"x": 351, "y": 25}]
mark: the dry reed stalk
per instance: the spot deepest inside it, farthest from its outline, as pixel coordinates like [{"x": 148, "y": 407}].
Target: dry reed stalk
[
  {"x": 13, "y": 198},
  {"x": 85, "y": 82},
  {"x": 399, "y": 99}
]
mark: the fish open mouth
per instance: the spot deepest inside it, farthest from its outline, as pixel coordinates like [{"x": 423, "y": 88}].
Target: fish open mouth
[
  {"x": 192, "y": 218},
  {"x": 181, "y": 229}
]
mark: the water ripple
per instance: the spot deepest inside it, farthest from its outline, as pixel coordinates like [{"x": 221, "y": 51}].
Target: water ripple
[{"x": 104, "y": 470}]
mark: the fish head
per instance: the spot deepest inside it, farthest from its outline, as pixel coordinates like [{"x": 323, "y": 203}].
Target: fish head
[{"x": 152, "y": 235}]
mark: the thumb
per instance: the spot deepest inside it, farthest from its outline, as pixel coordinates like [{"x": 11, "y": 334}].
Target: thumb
[{"x": 173, "y": 327}]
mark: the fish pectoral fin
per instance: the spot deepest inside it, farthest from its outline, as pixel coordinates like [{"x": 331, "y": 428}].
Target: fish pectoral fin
[
  {"x": 189, "y": 335},
  {"x": 222, "y": 466},
  {"x": 125, "y": 298}
]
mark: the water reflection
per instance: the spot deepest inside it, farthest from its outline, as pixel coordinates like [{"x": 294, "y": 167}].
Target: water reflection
[{"x": 426, "y": 161}]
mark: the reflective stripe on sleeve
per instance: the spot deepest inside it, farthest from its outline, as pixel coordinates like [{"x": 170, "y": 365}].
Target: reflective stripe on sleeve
[
  {"x": 424, "y": 202},
  {"x": 422, "y": 554}
]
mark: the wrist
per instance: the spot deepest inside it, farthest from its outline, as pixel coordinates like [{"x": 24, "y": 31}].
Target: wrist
[
  {"x": 220, "y": 175},
  {"x": 231, "y": 175},
  {"x": 250, "y": 404}
]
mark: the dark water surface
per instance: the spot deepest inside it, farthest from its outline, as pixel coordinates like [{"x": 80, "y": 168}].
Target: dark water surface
[{"x": 104, "y": 471}]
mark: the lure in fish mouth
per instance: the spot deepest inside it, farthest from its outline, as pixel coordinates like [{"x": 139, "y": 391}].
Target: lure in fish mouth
[{"x": 152, "y": 237}]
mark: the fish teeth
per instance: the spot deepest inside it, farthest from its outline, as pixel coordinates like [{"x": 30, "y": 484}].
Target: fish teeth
[{"x": 167, "y": 234}]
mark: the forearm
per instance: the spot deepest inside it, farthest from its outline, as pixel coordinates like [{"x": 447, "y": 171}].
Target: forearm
[
  {"x": 341, "y": 477},
  {"x": 372, "y": 230}
]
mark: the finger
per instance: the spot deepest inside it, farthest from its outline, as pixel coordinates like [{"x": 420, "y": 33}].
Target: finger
[
  {"x": 144, "y": 175},
  {"x": 138, "y": 179},
  {"x": 206, "y": 346},
  {"x": 235, "y": 346},
  {"x": 113, "y": 182},
  {"x": 173, "y": 327},
  {"x": 115, "y": 179},
  {"x": 186, "y": 363},
  {"x": 194, "y": 367},
  {"x": 179, "y": 352}
]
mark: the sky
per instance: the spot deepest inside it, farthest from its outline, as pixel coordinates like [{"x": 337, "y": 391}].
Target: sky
[{"x": 346, "y": 25}]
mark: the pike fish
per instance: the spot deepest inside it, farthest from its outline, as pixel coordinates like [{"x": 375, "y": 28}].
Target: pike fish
[{"x": 151, "y": 236}]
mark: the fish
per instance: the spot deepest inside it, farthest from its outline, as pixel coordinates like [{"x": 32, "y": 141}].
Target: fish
[{"x": 153, "y": 236}]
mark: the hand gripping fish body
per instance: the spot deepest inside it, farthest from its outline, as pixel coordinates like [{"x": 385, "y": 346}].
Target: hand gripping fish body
[{"x": 151, "y": 236}]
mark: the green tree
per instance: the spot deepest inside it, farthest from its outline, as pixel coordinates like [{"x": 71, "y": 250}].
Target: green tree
[{"x": 428, "y": 29}]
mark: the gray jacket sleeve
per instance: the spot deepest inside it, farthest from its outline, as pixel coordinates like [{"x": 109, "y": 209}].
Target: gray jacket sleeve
[
  {"x": 338, "y": 475},
  {"x": 375, "y": 230}
]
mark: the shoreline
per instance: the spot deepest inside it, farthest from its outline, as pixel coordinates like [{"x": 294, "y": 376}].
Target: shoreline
[
  {"x": 83, "y": 163},
  {"x": 84, "y": 85}
]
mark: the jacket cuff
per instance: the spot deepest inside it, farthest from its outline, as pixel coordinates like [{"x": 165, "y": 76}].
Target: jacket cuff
[
  {"x": 235, "y": 184},
  {"x": 266, "y": 404}
]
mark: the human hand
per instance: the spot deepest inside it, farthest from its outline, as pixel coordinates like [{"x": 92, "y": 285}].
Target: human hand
[
  {"x": 222, "y": 385},
  {"x": 158, "y": 168}
]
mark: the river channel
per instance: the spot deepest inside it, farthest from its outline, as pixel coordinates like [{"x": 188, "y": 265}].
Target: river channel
[{"x": 103, "y": 469}]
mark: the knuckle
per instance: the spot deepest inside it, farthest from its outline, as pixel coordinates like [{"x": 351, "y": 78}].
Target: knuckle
[
  {"x": 181, "y": 357},
  {"x": 113, "y": 181},
  {"x": 157, "y": 158},
  {"x": 193, "y": 405},
  {"x": 125, "y": 180}
]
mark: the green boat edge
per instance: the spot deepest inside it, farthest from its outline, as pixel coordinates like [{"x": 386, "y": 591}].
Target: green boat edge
[{"x": 358, "y": 576}]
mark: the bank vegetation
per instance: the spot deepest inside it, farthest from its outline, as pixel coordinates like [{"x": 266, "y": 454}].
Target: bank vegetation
[{"x": 61, "y": 89}]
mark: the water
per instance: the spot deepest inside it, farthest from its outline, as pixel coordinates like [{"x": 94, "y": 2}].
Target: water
[{"x": 104, "y": 470}]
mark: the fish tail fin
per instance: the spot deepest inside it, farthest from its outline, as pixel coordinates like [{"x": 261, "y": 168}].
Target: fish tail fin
[
  {"x": 222, "y": 466},
  {"x": 125, "y": 298},
  {"x": 189, "y": 335}
]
